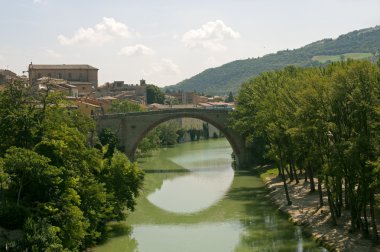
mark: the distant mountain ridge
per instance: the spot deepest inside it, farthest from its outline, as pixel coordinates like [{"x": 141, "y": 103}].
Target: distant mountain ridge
[{"x": 221, "y": 80}]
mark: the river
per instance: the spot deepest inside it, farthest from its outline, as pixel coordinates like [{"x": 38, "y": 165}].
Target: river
[{"x": 194, "y": 201}]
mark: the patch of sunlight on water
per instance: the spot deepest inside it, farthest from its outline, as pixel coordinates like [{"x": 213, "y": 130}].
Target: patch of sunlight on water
[{"x": 208, "y": 237}]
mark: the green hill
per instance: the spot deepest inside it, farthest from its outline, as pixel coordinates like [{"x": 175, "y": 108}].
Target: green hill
[{"x": 361, "y": 44}]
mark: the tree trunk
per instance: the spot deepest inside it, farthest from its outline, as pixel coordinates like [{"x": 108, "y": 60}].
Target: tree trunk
[
  {"x": 285, "y": 185},
  {"x": 373, "y": 217},
  {"x": 311, "y": 176},
  {"x": 320, "y": 191},
  {"x": 19, "y": 195},
  {"x": 365, "y": 226},
  {"x": 346, "y": 201},
  {"x": 305, "y": 176},
  {"x": 293, "y": 169},
  {"x": 338, "y": 198},
  {"x": 290, "y": 175},
  {"x": 331, "y": 203}
]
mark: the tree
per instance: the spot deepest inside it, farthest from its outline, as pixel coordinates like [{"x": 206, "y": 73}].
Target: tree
[
  {"x": 32, "y": 178},
  {"x": 324, "y": 121},
  {"x": 123, "y": 179},
  {"x": 230, "y": 98},
  {"x": 168, "y": 133},
  {"x": 125, "y": 106},
  {"x": 154, "y": 94},
  {"x": 50, "y": 174}
]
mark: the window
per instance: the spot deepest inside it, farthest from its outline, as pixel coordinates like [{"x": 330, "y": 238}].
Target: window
[
  {"x": 59, "y": 76},
  {"x": 69, "y": 76}
]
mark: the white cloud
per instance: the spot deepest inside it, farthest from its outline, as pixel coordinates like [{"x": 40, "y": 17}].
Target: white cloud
[
  {"x": 166, "y": 67},
  {"x": 40, "y": 1},
  {"x": 210, "y": 36},
  {"x": 101, "y": 33},
  {"x": 53, "y": 53},
  {"x": 136, "y": 50}
]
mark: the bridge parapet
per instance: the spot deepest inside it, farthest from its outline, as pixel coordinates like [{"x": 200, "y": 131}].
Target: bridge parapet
[{"x": 165, "y": 111}]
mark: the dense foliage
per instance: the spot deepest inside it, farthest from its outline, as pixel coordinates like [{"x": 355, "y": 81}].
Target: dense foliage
[
  {"x": 125, "y": 106},
  {"x": 154, "y": 95},
  {"x": 165, "y": 134},
  {"x": 228, "y": 77},
  {"x": 323, "y": 122},
  {"x": 57, "y": 189}
]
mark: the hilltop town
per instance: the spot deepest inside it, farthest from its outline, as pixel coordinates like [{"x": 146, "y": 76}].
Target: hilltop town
[{"x": 79, "y": 84}]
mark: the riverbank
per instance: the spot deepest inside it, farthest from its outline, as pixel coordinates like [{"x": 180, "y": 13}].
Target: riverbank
[{"x": 316, "y": 221}]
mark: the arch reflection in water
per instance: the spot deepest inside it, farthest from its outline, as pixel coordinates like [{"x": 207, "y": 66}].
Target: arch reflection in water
[
  {"x": 206, "y": 183},
  {"x": 193, "y": 192}
]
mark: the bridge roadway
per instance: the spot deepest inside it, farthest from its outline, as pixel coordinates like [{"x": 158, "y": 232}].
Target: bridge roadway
[{"x": 131, "y": 128}]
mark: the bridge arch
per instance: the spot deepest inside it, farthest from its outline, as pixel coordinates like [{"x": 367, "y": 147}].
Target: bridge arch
[
  {"x": 230, "y": 139},
  {"x": 131, "y": 128}
]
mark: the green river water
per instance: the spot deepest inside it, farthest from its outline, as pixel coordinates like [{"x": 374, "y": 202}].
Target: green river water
[{"x": 194, "y": 201}]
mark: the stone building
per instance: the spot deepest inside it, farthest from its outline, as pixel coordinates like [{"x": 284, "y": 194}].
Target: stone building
[
  {"x": 75, "y": 74},
  {"x": 6, "y": 76},
  {"x": 121, "y": 91},
  {"x": 186, "y": 97}
]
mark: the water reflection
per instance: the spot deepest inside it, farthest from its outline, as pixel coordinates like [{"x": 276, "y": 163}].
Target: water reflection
[
  {"x": 196, "y": 237},
  {"x": 229, "y": 211},
  {"x": 192, "y": 192}
]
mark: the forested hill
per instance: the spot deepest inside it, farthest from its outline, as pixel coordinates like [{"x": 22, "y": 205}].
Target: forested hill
[{"x": 221, "y": 80}]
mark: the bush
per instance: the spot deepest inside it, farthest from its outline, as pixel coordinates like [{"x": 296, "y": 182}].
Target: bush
[{"x": 13, "y": 216}]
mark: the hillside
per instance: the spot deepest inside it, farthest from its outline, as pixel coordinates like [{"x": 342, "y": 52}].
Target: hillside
[{"x": 221, "y": 80}]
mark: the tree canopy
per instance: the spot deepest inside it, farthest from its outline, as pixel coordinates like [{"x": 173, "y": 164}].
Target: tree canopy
[
  {"x": 53, "y": 185},
  {"x": 323, "y": 122},
  {"x": 154, "y": 94}
]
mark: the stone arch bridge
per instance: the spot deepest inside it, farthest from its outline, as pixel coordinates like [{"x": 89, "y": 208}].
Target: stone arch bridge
[{"x": 131, "y": 128}]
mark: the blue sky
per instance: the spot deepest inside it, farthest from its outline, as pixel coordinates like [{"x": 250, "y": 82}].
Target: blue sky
[{"x": 167, "y": 41}]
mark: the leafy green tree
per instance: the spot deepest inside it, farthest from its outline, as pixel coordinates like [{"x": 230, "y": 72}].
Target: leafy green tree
[
  {"x": 108, "y": 139},
  {"x": 123, "y": 179},
  {"x": 19, "y": 122},
  {"x": 154, "y": 94},
  {"x": 150, "y": 142},
  {"x": 53, "y": 183},
  {"x": 125, "y": 106},
  {"x": 230, "y": 97},
  {"x": 40, "y": 235},
  {"x": 168, "y": 133},
  {"x": 31, "y": 175},
  {"x": 324, "y": 121}
]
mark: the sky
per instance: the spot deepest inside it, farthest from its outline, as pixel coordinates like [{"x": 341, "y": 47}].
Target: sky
[{"x": 167, "y": 41}]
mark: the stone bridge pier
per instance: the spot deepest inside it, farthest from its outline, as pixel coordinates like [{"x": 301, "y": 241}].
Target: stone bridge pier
[{"x": 131, "y": 128}]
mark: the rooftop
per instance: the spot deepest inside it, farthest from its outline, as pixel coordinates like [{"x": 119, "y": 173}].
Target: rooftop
[{"x": 62, "y": 66}]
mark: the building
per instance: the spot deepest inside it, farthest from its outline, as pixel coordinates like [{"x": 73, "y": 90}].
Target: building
[
  {"x": 121, "y": 91},
  {"x": 75, "y": 74},
  {"x": 87, "y": 106},
  {"x": 6, "y": 76},
  {"x": 57, "y": 85},
  {"x": 186, "y": 97}
]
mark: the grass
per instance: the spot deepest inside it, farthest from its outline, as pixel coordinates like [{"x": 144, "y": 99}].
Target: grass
[
  {"x": 270, "y": 173},
  {"x": 324, "y": 58}
]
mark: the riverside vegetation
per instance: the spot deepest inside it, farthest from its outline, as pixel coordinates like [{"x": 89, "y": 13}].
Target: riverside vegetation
[
  {"x": 323, "y": 123},
  {"x": 54, "y": 186}
]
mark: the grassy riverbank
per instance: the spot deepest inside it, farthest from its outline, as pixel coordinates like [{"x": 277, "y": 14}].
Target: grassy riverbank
[{"x": 305, "y": 211}]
